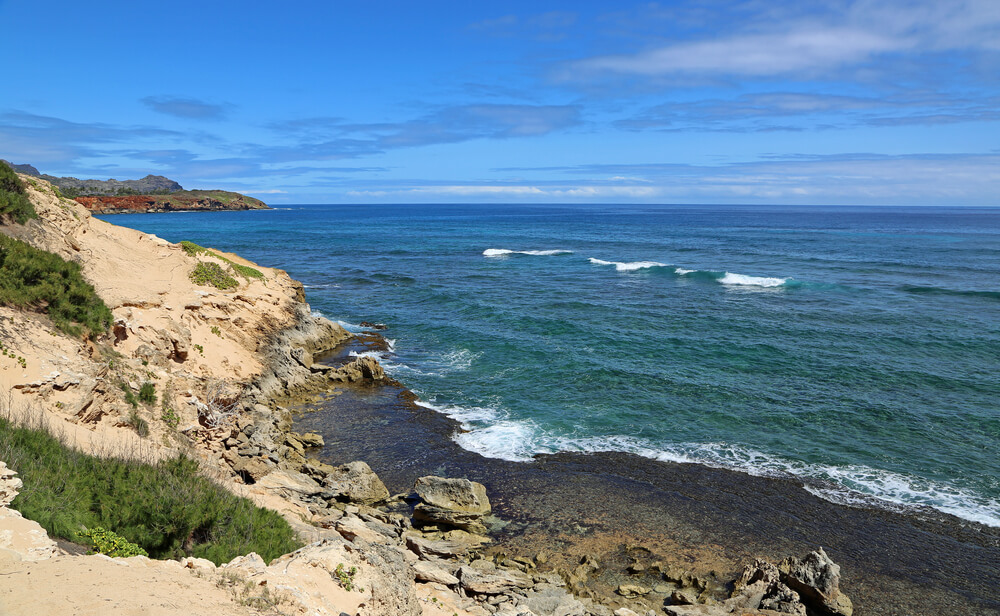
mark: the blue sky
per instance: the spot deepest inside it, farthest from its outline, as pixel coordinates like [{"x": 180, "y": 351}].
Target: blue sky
[{"x": 833, "y": 102}]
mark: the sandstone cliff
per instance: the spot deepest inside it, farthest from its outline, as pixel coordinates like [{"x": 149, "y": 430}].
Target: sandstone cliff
[{"x": 192, "y": 341}]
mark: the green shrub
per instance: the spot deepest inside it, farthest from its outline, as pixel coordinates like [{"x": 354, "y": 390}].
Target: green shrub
[
  {"x": 13, "y": 200},
  {"x": 112, "y": 544},
  {"x": 167, "y": 508},
  {"x": 32, "y": 278},
  {"x": 147, "y": 393},
  {"x": 246, "y": 271},
  {"x": 213, "y": 274}
]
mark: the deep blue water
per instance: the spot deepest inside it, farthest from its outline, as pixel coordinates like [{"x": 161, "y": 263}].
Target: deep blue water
[{"x": 855, "y": 346}]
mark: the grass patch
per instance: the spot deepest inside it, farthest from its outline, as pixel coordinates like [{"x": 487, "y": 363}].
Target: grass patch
[
  {"x": 167, "y": 509},
  {"x": 36, "y": 279},
  {"x": 213, "y": 274},
  {"x": 245, "y": 271},
  {"x": 13, "y": 199}
]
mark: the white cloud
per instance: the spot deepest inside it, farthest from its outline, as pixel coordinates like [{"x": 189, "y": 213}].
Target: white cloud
[
  {"x": 769, "y": 43},
  {"x": 761, "y": 54}
]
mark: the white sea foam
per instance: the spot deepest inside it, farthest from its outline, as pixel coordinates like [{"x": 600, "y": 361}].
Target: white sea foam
[
  {"x": 493, "y": 433},
  {"x": 751, "y": 281},
  {"x": 391, "y": 343},
  {"x": 680, "y": 271},
  {"x": 629, "y": 266},
  {"x": 503, "y": 252}
]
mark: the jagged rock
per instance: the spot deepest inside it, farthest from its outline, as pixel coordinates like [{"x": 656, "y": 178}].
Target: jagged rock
[
  {"x": 360, "y": 370},
  {"x": 290, "y": 483},
  {"x": 817, "y": 580},
  {"x": 429, "y": 571},
  {"x": 486, "y": 581},
  {"x": 355, "y": 482},
  {"x": 9, "y": 485},
  {"x": 455, "y": 502},
  {"x": 248, "y": 465}
]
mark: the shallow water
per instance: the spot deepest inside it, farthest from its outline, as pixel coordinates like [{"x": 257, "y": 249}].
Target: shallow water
[{"x": 855, "y": 348}]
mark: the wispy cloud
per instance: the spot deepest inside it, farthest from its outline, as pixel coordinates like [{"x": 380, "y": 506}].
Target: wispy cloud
[
  {"x": 858, "y": 178},
  {"x": 188, "y": 108},
  {"x": 332, "y": 138},
  {"x": 760, "y": 112}
]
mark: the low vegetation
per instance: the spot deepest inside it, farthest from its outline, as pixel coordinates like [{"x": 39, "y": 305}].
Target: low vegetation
[
  {"x": 212, "y": 274},
  {"x": 167, "y": 509},
  {"x": 38, "y": 280},
  {"x": 245, "y": 271},
  {"x": 14, "y": 201}
]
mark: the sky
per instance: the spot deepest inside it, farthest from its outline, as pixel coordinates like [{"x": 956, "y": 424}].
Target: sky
[{"x": 879, "y": 102}]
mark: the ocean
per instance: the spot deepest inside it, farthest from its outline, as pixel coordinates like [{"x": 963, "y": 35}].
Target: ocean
[{"x": 854, "y": 348}]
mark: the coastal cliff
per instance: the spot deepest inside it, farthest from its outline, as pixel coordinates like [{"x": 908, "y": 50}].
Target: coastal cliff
[
  {"x": 183, "y": 200},
  {"x": 224, "y": 343}
]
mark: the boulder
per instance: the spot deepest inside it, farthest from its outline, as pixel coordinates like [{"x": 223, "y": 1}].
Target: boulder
[
  {"x": 428, "y": 571},
  {"x": 355, "y": 482},
  {"x": 816, "y": 578},
  {"x": 290, "y": 483},
  {"x": 454, "y": 502}
]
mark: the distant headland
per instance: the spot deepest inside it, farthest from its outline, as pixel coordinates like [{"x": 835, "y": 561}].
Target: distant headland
[{"x": 153, "y": 193}]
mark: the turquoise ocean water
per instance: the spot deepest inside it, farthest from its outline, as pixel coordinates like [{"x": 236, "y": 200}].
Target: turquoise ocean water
[{"x": 855, "y": 348}]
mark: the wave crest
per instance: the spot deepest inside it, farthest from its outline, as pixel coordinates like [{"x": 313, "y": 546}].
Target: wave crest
[
  {"x": 628, "y": 266},
  {"x": 503, "y": 252}
]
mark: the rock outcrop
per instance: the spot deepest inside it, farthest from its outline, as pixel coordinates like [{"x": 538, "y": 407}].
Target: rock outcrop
[{"x": 458, "y": 503}]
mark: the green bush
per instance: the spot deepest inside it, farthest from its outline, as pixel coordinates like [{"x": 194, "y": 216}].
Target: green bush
[
  {"x": 212, "y": 274},
  {"x": 112, "y": 544},
  {"x": 147, "y": 393},
  {"x": 32, "y": 278},
  {"x": 167, "y": 509},
  {"x": 13, "y": 200}
]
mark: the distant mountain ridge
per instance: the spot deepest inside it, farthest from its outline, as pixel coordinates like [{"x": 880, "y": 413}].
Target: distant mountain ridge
[
  {"x": 73, "y": 187},
  {"x": 153, "y": 193}
]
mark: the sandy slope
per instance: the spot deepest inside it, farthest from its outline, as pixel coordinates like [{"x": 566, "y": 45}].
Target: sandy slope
[{"x": 195, "y": 343}]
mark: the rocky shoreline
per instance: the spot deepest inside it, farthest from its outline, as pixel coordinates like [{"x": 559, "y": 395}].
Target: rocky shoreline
[
  {"x": 456, "y": 535},
  {"x": 700, "y": 522}
]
